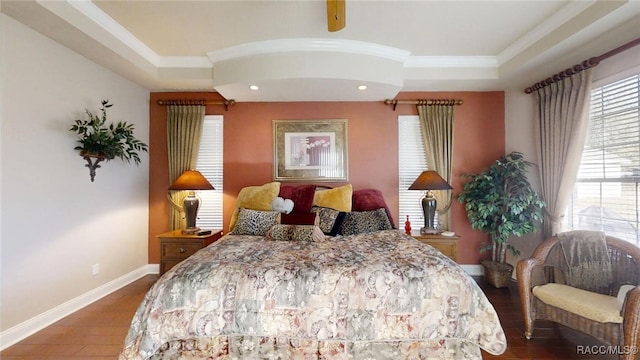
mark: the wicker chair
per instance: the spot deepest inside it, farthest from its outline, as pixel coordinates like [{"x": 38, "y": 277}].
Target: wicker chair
[{"x": 547, "y": 263}]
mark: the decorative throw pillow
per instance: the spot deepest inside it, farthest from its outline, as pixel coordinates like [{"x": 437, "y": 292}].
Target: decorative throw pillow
[
  {"x": 310, "y": 218},
  {"x": 338, "y": 198},
  {"x": 254, "y": 198},
  {"x": 282, "y": 232},
  {"x": 284, "y": 206},
  {"x": 370, "y": 199},
  {"x": 301, "y": 195},
  {"x": 255, "y": 222},
  {"x": 358, "y": 222},
  {"x": 330, "y": 219}
]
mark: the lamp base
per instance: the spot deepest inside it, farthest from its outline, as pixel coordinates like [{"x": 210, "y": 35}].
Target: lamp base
[
  {"x": 190, "y": 231},
  {"x": 429, "y": 206},
  {"x": 190, "y": 208},
  {"x": 428, "y": 231}
]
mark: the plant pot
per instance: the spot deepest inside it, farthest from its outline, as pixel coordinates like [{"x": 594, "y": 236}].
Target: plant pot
[{"x": 497, "y": 274}]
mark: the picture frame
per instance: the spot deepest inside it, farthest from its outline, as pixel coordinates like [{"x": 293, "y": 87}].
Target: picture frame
[{"x": 310, "y": 150}]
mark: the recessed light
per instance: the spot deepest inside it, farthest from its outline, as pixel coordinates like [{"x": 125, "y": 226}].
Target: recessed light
[
  {"x": 254, "y": 87},
  {"x": 362, "y": 87}
]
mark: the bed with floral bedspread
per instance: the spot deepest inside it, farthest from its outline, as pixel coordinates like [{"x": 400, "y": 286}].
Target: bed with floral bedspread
[{"x": 379, "y": 295}]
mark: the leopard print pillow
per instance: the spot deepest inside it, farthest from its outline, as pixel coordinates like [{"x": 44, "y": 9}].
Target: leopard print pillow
[
  {"x": 357, "y": 222},
  {"x": 255, "y": 222},
  {"x": 281, "y": 232},
  {"x": 330, "y": 220}
]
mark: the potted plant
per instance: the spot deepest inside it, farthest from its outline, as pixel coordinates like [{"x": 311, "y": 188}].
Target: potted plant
[
  {"x": 501, "y": 202},
  {"x": 99, "y": 141}
]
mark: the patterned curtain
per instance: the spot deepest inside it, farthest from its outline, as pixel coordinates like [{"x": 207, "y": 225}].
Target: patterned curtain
[
  {"x": 562, "y": 118},
  {"x": 436, "y": 122},
  {"x": 184, "y": 127}
]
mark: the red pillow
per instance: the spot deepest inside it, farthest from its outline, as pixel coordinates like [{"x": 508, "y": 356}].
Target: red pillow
[
  {"x": 299, "y": 219},
  {"x": 370, "y": 199},
  {"x": 302, "y": 196}
]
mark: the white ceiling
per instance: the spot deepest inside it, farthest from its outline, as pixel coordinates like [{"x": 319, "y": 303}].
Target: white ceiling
[{"x": 286, "y": 49}]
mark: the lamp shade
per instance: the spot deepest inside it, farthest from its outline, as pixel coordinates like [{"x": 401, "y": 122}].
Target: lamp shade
[
  {"x": 430, "y": 180},
  {"x": 191, "y": 180}
]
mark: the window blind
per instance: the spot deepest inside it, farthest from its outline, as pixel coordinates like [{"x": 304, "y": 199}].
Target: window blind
[
  {"x": 606, "y": 196},
  {"x": 412, "y": 161},
  {"x": 210, "y": 164}
]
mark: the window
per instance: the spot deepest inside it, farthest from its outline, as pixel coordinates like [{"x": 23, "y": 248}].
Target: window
[
  {"x": 209, "y": 163},
  {"x": 411, "y": 162},
  {"x": 606, "y": 196}
]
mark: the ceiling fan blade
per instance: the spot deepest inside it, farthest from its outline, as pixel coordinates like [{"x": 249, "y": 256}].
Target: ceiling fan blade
[{"x": 336, "y": 18}]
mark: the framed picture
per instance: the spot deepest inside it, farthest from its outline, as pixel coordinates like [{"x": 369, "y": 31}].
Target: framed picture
[{"x": 310, "y": 150}]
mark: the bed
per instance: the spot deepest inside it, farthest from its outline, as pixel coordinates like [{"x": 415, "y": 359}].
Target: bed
[{"x": 313, "y": 295}]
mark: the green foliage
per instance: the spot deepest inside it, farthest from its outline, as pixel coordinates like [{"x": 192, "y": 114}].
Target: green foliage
[
  {"x": 501, "y": 202},
  {"x": 110, "y": 141}
]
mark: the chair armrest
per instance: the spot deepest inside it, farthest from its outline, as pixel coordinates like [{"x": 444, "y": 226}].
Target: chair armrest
[
  {"x": 631, "y": 321},
  {"x": 524, "y": 268},
  {"x": 526, "y": 281},
  {"x": 525, "y": 272},
  {"x": 631, "y": 305}
]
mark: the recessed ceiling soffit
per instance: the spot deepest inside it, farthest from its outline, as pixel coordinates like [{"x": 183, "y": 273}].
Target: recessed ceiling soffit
[
  {"x": 326, "y": 58},
  {"x": 106, "y": 30}
]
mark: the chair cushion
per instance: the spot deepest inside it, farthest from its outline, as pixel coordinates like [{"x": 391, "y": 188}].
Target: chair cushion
[{"x": 591, "y": 305}]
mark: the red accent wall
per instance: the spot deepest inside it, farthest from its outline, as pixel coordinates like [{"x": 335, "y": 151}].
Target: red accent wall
[{"x": 479, "y": 138}]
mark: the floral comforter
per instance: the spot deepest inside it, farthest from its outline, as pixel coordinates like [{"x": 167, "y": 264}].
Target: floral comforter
[{"x": 380, "y": 295}]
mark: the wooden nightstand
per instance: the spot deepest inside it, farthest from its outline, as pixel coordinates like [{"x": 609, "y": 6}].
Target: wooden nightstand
[
  {"x": 448, "y": 245},
  {"x": 176, "y": 246}
]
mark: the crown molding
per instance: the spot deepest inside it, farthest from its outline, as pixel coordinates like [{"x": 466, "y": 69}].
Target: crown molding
[
  {"x": 451, "y": 62},
  {"x": 308, "y": 44},
  {"x": 184, "y": 62}
]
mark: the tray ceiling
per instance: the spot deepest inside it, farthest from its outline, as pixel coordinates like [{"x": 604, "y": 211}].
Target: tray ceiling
[{"x": 284, "y": 47}]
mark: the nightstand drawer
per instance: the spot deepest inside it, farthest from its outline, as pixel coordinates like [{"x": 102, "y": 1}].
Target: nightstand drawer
[
  {"x": 447, "y": 249},
  {"x": 176, "y": 246},
  {"x": 447, "y": 245},
  {"x": 180, "y": 250},
  {"x": 168, "y": 264}
]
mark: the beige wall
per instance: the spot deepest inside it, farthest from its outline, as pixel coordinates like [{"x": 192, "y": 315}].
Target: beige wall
[{"x": 56, "y": 223}]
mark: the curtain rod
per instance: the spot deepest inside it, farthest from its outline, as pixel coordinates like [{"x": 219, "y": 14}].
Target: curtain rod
[
  {"x": 226, "y": 103},
  {"x": 592, "y": 62},
  {"x": 422, "y": 102}
]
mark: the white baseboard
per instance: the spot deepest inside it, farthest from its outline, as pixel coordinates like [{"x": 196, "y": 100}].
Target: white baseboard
[
  {"x": 153, "y": 269},
  {"x": 473, "y": 270},
  {"x": 41, "y": 321}
]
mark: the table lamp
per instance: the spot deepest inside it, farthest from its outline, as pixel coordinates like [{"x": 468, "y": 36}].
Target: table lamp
[
  {"x": 191, "y": 180},
  {"x": 429, "y": 180}
]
